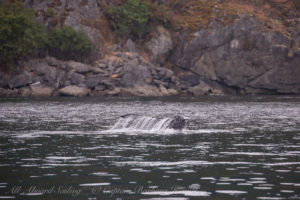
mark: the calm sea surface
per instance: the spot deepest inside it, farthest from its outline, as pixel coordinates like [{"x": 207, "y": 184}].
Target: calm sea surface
[{"x": 231, "y": 148}]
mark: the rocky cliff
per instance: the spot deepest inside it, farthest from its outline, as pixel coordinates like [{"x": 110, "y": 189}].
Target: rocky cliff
[
  {"x": 250, "y": 54},
  {"x": 243, "y": 56}
]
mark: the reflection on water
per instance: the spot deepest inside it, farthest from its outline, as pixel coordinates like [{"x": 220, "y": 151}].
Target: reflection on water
[{"x": 231, "y": 148}]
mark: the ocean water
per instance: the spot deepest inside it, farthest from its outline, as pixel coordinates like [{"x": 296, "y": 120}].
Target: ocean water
[{"x": 79, "y": 148}]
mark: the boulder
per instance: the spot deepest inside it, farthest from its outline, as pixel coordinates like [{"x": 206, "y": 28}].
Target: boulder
[
  {"x": 20, "y": 80},
  {"x": 200, "y": 90},
  {"x": 164, "y": 91},
  {"x": 4, "y": 80},
  {"x": 9, "y": 92},
  {"x": 130, "y": 46},
  {"x": 51, "y": 61},
  {"x": 39, "y": 90},
  {"x": 77, "y": 79},
  {"x": 74, "y": 91},
  {"x": 146, "y": 90},
  {"x": 114, "y": 92},
  {"x": 172, "y": 92},
  {"x": 46, "y": 72},
  {"x": 79, "y": 67},
  {"x": 135, "y": 75},
  {"x": 25, "y": 92},
  {"x": 93, "y": 81},
  {"x": 189, "y": 79},
  {"x": 60, "y": 79}
]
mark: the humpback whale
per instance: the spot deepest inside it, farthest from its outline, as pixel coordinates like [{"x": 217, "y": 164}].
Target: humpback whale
[
  {"x": 133, "y": 121},
  {"x": 177, "y": 123}
]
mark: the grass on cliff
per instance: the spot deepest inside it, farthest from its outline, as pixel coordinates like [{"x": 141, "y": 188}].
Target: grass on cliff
[{"x": 192, "y": 15}]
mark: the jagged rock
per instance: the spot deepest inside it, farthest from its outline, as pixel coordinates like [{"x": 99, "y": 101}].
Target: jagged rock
[
  {"x": 51, "y": 61},
  {"x": 160, "y": 45},
  {"x": 47, "y": 73},
  {"x": 81, "y": 15},
  {"x": 4, "y": 80},
  {"x": 97, "y": 70},
  {"x": 9, "y": 92},
  {"x": 159, "y": 82},
  {"x": 77, "y": 79},
  {"x": 79, "y": 67},
  {"x": 39, "y": 90},
  {"x": 241, "y": 55},
  {"x": 60, "y": 79},
  {"x": 216, "y": 92},
  {"x": 67, "y": 83},
  {"x": 24, "y": 92},
  {"x": 172, "y": 92},
  {"x": 74, "y": 91},
  {"x": 115, "y": 91},
  {"x": 102, "y": 66},
  {"x": 135, "y": 75},
  {"x": 130, "y": 46},
  {"x": 189, "y": 79},
  {"x": 92, "y": 81},
  {"x": 97, "y": 93},
  {"x": 200, "y": 90},
  {"x": 163, "y": 90},
  {"x": 20, "y": 80},
  {"x": 146, "y": 90},
  {"x": 108, "y": 83}
]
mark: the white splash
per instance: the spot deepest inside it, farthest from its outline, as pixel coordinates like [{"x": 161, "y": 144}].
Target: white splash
[{"x": 133, "y": 122}]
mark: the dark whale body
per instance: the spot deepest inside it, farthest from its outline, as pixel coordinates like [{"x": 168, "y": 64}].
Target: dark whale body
[{"x": 176, "y": 122}]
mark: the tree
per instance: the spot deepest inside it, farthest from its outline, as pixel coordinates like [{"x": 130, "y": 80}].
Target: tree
[
  {"x": 130, "y": 18},
  {"x": 67, "y": 43},
  {"x": 19, "y": 34}
]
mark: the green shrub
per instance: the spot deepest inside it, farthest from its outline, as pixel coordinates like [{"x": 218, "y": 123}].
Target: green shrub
[
  {"x": 50, "y": 12},
  {"x": 19, "y": 34},
  {"x": 130, "y": 18},
  {"x": 67, "y": 43}
]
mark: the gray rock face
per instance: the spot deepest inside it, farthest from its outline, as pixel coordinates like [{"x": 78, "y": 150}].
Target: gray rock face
[
  {"x": 20, "y": 80},
  {"x": 135, "y": 75},
  {"x": 81, "y": 15},
  {"x": 4, "y": 81},
  {"x": 130, "y": 46},
  {"x": 243, "y": 56},
  {"x": 47, "y": 73},
  {"x": 160, "y": 45},
  {"x": 93, "y": 81},
  {"x": 189, "y": 79},
  {"x": 78, "y": 67},
  {"x": 76, "y": 79}
]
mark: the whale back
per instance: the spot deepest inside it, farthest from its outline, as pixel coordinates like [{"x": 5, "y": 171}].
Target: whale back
[{"x": 177, "y": 122}]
